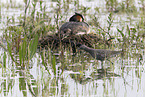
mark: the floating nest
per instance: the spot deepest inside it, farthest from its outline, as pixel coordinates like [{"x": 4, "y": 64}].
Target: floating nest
[{"x": 55, "y": 41}]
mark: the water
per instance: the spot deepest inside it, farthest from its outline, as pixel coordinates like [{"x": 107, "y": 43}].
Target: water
[{"x": 82, "y": 77}]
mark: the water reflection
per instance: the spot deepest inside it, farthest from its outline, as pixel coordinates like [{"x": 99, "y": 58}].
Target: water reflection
[
  {"x": 99, "y": 74},
  {"x": 81, "y": 69},
  {"x": 21, "y": 78},
  {"x": 60, "y": 74}
]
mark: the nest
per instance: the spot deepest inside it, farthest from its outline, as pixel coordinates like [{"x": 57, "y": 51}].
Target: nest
[{"x": 55, "y": 41}]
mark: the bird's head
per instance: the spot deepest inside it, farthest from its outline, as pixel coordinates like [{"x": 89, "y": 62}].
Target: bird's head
[{"x": 77, "y": 18}]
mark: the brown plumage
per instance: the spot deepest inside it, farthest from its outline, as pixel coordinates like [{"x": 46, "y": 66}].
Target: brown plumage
[
  {"x": 75, "y": 25},
  {"x": 76, "y": 18}
]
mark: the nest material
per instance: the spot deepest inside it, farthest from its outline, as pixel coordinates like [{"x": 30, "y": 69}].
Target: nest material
[{"x": 55, "y": 41}]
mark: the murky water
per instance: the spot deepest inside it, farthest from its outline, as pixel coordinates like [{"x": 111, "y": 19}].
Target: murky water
[{"x": 82, "y": 77}]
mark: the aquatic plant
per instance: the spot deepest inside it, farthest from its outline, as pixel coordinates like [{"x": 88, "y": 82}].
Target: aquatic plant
[{"x": 55, "y": 68}]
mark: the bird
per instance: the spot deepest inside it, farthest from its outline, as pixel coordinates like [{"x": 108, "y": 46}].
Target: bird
[
  {"x": 75, "y": 25},
  {"x": 99, "y": 54}
]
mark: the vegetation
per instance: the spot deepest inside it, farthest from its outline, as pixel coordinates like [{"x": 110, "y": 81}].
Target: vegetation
[{"x": 25, "y": 37}]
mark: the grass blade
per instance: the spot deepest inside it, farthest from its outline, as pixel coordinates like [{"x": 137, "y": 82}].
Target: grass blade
[
  {"x": 54, "y": 64},
  {"x": 33, "y": 46}
]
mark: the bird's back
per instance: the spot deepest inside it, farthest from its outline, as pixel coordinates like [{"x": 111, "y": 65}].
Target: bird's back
[
  {"x": 102, "y": 54},
  {"x": 74, "y": 27}
]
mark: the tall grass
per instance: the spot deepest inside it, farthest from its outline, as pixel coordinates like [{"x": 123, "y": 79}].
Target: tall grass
[{"x": 22, "y": 40}]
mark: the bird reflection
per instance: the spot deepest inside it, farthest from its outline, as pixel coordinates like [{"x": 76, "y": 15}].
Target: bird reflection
[{"x": 95, "y": 75}]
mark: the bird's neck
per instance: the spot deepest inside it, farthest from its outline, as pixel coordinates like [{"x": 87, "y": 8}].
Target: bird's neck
[{"x": 87, "y": 49}]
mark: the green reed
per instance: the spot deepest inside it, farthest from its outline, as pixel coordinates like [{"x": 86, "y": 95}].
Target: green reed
[
  {"x": 123, "y": 6},
  {"x": 22, "y": 41},
  {"x": 4, "y": 60}
]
